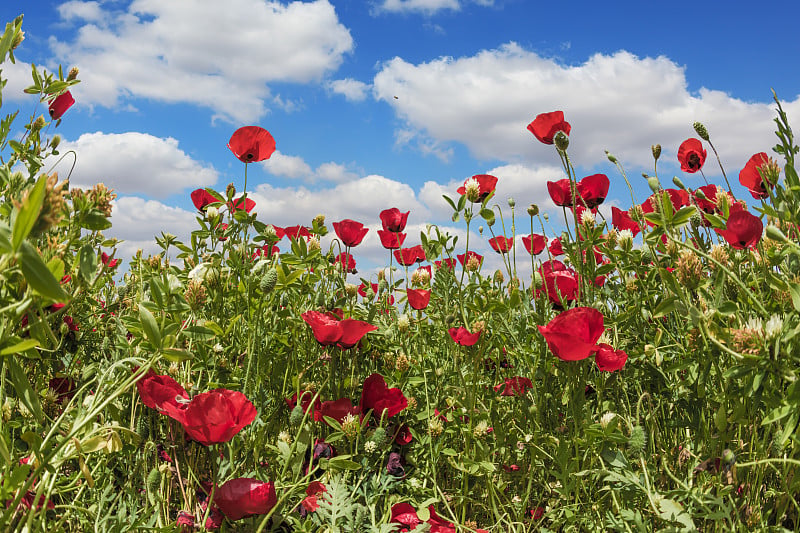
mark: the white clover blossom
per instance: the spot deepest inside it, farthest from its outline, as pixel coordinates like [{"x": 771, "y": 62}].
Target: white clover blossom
[
  {"x": 606, "y": 419},
  {"x": 625, "y": 239},
  {"x": 472, "y": 189},
  {"x": 773, "y": 327},
  {"x": 212, "y": 213}
]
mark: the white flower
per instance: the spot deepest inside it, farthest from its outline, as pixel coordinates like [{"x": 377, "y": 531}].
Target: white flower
[
  {"x": 625, "y": 239},
  {"x": 773, "y": 327},
  {"x": 606, "y": 419},
  {"x": 212, "y": 213},
  {"x": 472, "y": 189},
  {"x": 198, "y": 273}
]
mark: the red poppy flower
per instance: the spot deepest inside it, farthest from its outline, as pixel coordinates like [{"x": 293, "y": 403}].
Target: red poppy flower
[
  {"x": 439, "y": 524},
  {"x": 707, "y": 204},
  {"x": 328, "y": 329},
  {"x": 463, "y": 337},
  {"x": 501, "y": 244},
  {"x": 251, "y": 144},
  {"x": 350, "y": 232},
  {"x": 515, "y": 386},
  {"x": 560, "y": 286},
  {"x": 691, "y": 155},
  {"x": 158, "y": 391},
  {"x": 486, "y": 182},
  {"x": 409, "y": 256},
  {"x": 214, "y": 417},
  {"x": 750, "y": 177},
  {"x": 220, "y": 229},
  {"x": 264, "y": 251},
  {"x": 448, "y": 262},
  {"x": 242, "y": 497},
  {"x": 560, "y": 192},
  {"x": 310, "y": 503},
  {"x": 377, "y": 396},
  {"x": 347, "y": 261},
  {"x": 295, "y": 232},
  {"x": 534, "y": 243},
  {"x": 555, "y": 247},
  {"x": 427, "y": 269},
  {"x": 393, "y": 220},
  {"x": 405, "y": 514},
  {"x": 573, "y": 334},
  {"x": 464, "y": 259},
  {"x": 608, "y": 359},
  {"x": 64, "y": 387},
  {"x": 201, "y": 198},
  {"x": 545, "y": 126},
  {"x": 418, "y": 298},
  {"x": 403, "y": 435},
  {"x": 677, "y": 197},
  {"x": 593, "y": 189},
  {"x": 60, "y": 105},
  {"x": 391, "y": 240},
  {"x": 313, "y": 409},
  {"x": 362, "y": 289},
  {"x": 107, "y": 261},
  {"x": 241, "y": 202},
  {"x": 338, "y": 409},
  {"x": 622, "y": 220},
  {"x": 743, "y": 230}
]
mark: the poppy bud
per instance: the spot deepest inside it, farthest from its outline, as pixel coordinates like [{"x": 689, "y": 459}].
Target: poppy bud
[
  {"x": 480, "y": 230},
  {"x": 653, "y": 183},
  {"x": 511, "y": 203},
  {"x": 73, "y": 74},
  {"x": 678, "y": 183},
  {"x": 611, "y": 157},
  {"x": 656, "y": 149},
  {"x": 561, "y": 141},
  {"x": 230, "y": 191},
  {"x": 775, "y": 233},
  {"x": 701, "y": 130},
  {"x": 533, "y": 210}
]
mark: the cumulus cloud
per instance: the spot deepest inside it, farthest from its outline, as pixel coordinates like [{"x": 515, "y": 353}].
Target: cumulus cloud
[
  {"x": 219, "y": 55},
  {"x": 352, "y": 90},
  {"x": 138, "y": 221},
  {"x": 618, "y": 102},
  {"x": 136, "y": 163},
  {"x": 295, "y": 167}
]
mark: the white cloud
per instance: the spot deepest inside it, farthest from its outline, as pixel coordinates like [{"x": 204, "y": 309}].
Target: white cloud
[
  {"x": 425, "y": 7},
  {"x": 18, "y": 76},
  {"x": 295, "y": 167},
  {"x": 86, "y": 11},
  {"x": 219, "y": 55},
  {"x": 352, "y": 90},
  {"x": 138, "y": 221},
  {"x": 135, "y": 163},
  {"x": 618, "y": 102}
]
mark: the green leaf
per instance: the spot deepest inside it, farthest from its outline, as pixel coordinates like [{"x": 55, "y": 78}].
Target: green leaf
[
  {"x": 683, "y": 215},
  {"x": 487, "y": 215},
  {"x": 87, "y": 260},
  {"x": 20, "y": 347},
  {"x": 95, "y": 220},
  {"x": 25, "y": 392},
  {"x": 794, "y": 290},
  {"x": 451, "y": 202},
  {"x": 28, "y": 213},
  {"x": 727, "y": 308},
  {"x": 151, "y": 331},
  {"x": 38, "y": 275},
  {"x": 777, "y": 414},
  {"x": 176, "y": 354},
  {"x": 665, "y": 307}
]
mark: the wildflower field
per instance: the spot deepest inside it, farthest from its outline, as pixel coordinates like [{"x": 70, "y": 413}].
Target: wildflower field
[{"x": 632, "y": 374}]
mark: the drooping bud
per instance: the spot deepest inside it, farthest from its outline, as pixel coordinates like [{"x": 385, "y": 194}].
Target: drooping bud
[
  {"x": 656, "y": 149},
  {"x": 701, "y": 130},
  {"x": 561, "y": 140}
]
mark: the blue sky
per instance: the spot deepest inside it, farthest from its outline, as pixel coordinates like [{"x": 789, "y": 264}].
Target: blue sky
[{"x": 165, "y": 83}]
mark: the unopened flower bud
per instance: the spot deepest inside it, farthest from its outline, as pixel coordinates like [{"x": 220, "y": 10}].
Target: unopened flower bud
[
  {"x": 775, "y": 233},
  {"x": 678, "y": 183},
  {"x": 480, "y": 230},
  {"x": 39, "y": 123},
  {"x": 55, "y": 141},
  {"x": 230, "y": 190},
  {"x": 561, "y": 140},
  {"x": 611, "y": 157},
  {"x": 73, "y": 74},
  {"x": 653, "y": 183},
  {"x": 319, "y": 220},
  {"x": 533, "y": 210},
  {"x": 498, "y": 276},
  {"x": 656, "y": 149},
  {"x": 701, "y": 130},
  {"x": 18, "y": 38},
  {"x": 351, "y": 290},
  {"x": 511, "y": 202}
]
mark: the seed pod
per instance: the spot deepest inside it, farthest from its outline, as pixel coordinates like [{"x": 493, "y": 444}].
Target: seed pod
[
  {"x": 153, "y": 485},
  {"x": 637, "y": 440}
]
